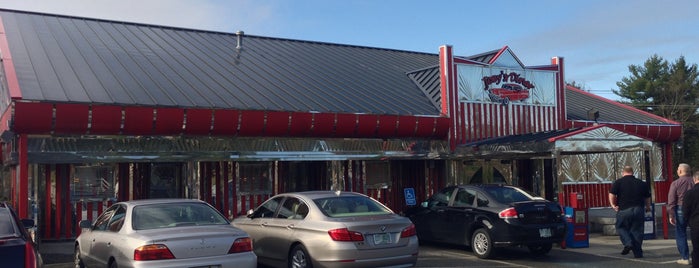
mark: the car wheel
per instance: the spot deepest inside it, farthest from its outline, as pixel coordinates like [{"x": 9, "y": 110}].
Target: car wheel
[
  {"x": 482, "y": 244},
  {"x": 77, "y": 259},
  {"x": 298, "y": 258},
  {"x": 113, "y": 264},
  {"x": 539, "y": 250}
]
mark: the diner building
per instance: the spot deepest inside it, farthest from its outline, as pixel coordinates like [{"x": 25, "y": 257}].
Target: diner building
[{"x": 94, "y": 111}]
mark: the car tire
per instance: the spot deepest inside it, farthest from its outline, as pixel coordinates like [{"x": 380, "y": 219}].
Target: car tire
[
  {"x": 299, "y": 258},
  {"x": 113, "y": 264},
  {"x": 77, "y": 259},
  {"x": 540, "y": 250},
  {"x": 482, "y": 244}
]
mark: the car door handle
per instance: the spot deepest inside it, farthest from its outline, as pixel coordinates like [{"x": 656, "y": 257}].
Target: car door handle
[
  {"x": 290, "y": 226},
  {"x": 263, "y": 224}
]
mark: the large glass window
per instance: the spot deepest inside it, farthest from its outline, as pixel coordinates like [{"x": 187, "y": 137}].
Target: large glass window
[
  {"x": 95, "y": 181},
  {"x": 254, "y": 178}
]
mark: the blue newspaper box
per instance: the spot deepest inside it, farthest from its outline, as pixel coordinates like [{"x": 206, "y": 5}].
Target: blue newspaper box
[
  {"x": 578, "y": 228},
  {"x": 649, "y": 223}
]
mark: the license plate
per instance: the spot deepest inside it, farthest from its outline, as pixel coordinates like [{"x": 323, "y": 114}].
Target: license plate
[
  {"x": 545, "y": 232},
  {"x": 381, "y": 239}
]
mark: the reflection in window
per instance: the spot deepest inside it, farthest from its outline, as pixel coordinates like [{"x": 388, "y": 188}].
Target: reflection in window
[
  {"x": 93, "y": 182},
  {"x": 254, "y": 178}
]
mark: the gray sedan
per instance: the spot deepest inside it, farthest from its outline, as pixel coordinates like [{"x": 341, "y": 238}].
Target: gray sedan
[
  {"x": 162, "y": 233},
  {"x": 329, "y": 229}
]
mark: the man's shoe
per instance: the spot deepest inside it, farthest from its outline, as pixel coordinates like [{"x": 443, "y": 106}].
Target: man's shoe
[
  {"x": 626, "y": 250},
  {"x": 683, "y": 261}
]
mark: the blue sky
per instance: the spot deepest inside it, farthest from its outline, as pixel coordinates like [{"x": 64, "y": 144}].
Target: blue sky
[{"x": 599, "y": 39}]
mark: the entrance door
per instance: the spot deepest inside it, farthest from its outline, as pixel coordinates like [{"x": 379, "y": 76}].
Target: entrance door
[{"x": 165, "y": 181}]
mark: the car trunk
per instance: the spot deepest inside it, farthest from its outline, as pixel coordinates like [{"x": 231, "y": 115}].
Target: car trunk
[
  {"x": 379, "y": 231},
  {"x": 194, "y": 242},
  {"x": 538, "y": 212}
]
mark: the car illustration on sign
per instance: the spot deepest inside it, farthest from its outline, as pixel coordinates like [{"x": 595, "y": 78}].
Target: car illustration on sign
[{"x": 510, "y": 92}]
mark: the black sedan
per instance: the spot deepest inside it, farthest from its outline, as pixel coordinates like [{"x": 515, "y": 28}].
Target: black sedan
[
  {"x": 17, "y": 249},
  {"x": 485, "y": 217}
]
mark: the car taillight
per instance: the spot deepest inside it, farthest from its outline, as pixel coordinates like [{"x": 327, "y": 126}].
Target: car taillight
[
  {"x": 509, "y": 213},
  {"x": 345, "y": 235},
  {"x": 409, "y": 231},
  {"x": 29, "y": 256},
  {"x": 241, "y": 245},
  {"x": 152, "y": 252}
]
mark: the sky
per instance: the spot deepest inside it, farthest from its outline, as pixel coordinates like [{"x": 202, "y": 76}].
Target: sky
[{"x": 598, "y": 39}]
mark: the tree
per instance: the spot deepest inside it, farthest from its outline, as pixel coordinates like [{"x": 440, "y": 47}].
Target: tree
[{"x": 667, "y": 90}]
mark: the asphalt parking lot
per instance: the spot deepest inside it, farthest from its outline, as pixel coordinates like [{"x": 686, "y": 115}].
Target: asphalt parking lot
[{"x": 603, "y": 251}]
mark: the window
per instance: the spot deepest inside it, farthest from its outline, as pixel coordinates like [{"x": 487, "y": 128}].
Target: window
[
  {"x": 293, "y": 208},
  {"x": 349, "y": 206},
  {"x": 117, "y": 220},
  {"x": 254, "y": 178},
  {"x": 442, "y": 198},
  {"x": 268, "y": 208},
  {"x": 464, "y": 198},
  {"x": 103, "y": 220},
  {"x": 96, "y": 182}
]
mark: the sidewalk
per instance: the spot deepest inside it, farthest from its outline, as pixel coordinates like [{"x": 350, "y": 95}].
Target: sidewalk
[{"x": 658, "y": 250}]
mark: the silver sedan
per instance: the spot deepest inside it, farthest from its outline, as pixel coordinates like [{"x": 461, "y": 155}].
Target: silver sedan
[
  {"x": 162, "y": 233},
  {"x": 329, "y": 229}
]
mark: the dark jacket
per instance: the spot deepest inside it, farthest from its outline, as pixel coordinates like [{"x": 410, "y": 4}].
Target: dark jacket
[{"x": 690, "y": 207}]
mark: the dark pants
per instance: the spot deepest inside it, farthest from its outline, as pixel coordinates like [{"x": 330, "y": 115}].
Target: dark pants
[
  {"x": 694, "y": 236},
  {"x": 629, "y": 226}
]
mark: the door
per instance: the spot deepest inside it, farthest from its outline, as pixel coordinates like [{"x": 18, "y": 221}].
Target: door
[{"x": 459, "y": 217}]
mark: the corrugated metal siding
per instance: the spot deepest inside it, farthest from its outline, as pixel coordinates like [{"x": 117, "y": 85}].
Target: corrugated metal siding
[{"x": 76, "y": 60}]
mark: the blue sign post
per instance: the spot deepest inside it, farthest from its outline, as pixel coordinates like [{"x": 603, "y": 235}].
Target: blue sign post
[{"x": 409, "y": 196}]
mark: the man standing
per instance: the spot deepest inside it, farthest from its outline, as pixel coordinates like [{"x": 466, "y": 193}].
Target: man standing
[
  {"x": 627, "y": 197},
  {"x": 690, "y": 208},
  {"x": 675, "y": 197}
]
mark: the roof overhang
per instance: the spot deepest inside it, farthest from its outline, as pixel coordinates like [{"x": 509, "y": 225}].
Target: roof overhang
[{"x": 593, "y": 139}]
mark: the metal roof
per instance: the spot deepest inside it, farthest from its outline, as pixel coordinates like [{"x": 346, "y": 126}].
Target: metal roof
[
  {"x": 579, "y": 103},
  {"x": 66, "y": 59}
]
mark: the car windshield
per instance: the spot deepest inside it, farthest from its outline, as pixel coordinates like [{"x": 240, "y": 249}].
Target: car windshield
[
  {"x": 175, "y": 214},
  {"x": 350, "y": 206},
  {"x": 508, "y": 195}
]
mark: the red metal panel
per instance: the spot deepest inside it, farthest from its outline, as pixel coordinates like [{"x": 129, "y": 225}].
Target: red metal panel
[
  {"x": 226, "y": 122},
  {"x": 138, "y": 120},
  {"x": 33, "y": 117},
  {"x": 406, "y": 126},
  {"x": 71, "y": 118},
  {"x": 388, "y": 126},
  {"x": 48, "y": 216},
  {"x": 198, "y": 122},
  {"x": 168, "y": 121},
  {"x": 252, "y": 123},
  {"x": 301, "y": 124},
  {"x": 277, "y": 123},
  {"x": 78, "y": 217},
  {"x": 323, "y": 125},
  {"x": 425, "y": 127},
  {"x": 346, "y": 125},
  {"x": 367, "y": 125},
  {"x": 442, "y": 127},
  {"x": 59, "y": 201},
  {"x": 105, "y": 120}
]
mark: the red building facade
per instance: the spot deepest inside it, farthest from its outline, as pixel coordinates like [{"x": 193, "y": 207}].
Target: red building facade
[{"x": 95, "y": 112}]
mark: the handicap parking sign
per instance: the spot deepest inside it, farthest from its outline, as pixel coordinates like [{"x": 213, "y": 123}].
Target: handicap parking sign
[{"x": 409, "y": 196}]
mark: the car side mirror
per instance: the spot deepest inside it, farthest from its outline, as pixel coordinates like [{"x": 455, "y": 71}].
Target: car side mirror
[
  {"x": 85, "y": 224},
  {"x": 250, "y": 213},
  {"x": 424, "y": 204}
]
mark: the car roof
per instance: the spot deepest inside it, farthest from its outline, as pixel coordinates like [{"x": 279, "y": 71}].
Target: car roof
[
  {"x": 159, "y": 201},
  {"x": 321, "y": 194}
]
